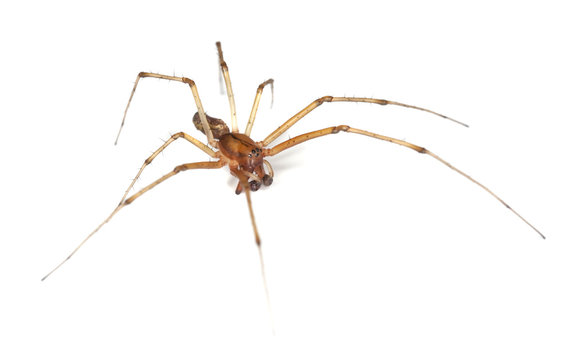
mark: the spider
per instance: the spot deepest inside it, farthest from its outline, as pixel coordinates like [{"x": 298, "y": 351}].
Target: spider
[{"x": 245, "y": 157}]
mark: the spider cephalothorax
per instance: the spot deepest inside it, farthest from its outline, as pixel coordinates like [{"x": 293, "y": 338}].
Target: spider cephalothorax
[
  {"x": 245, "y": 155},
  {"x": 239, "y": 150}
]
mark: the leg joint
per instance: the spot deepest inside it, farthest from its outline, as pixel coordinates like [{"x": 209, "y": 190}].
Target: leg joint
[
  {"x": 177, "y": 135},
  {"x": 324, "y": 99},
  {"x": 339, "y": 128},
  {"x": 188, "y": 81}
]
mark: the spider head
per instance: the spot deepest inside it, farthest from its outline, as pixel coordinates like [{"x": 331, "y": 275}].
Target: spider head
[
  {"x": 242, "y": 149},
  {"x": 254, "y": 160}
]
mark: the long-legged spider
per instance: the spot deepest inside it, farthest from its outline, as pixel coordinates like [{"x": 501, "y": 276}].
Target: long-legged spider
[{"x": 246, "y": 157}]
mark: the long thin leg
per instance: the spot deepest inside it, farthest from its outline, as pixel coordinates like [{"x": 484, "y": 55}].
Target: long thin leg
[
  {"x": 336, "y": 129},
  {"x": 174, "y": 137},
  {"x": 125, "y": 202},
  {"x": 243, "y": 177},
  {"x": 194, "y": 90},
  {"x": 294, "y": 119},
  {"x": 224, "y": 69},
  {"x": 256, "y": 102}
]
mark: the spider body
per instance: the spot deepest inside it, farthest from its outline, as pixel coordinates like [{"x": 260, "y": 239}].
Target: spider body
[
  {"x": 246, "y": 158},
  {"x": 238, "y": 151}
]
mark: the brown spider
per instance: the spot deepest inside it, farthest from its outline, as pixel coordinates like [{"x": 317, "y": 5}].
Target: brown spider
[{"x": 246, "y": 157}]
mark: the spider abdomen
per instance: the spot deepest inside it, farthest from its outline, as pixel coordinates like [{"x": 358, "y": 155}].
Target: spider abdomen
[{"x": 218, "y": 127}]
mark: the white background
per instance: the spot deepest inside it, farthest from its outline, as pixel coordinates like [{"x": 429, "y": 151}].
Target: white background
[{"x": 371, "y": 250}]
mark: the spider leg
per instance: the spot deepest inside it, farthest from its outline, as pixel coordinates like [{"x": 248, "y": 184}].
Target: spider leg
[
  {"x": 243, "y": 177},
  {"x": 256, "y": 102},
  {"x": 294, "y": 119},
  {"x": 124, "y": 202},
  {"x": 336, "y": 129},
  {"x": 173, "y": 137},
  {"x": 194, "y": 90},
  {"x": 224, "y": 69}
]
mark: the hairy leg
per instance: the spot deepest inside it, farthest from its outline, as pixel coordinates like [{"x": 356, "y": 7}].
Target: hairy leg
[
  {"x": 123, "y": 203},
  {"x": 336, "y": 129},
  {"x": 194, "y": 90},
  {"x": 230, "y": 94},
  {"x": 270, "y": 82},
  {"x": 294, "y": 119}
]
